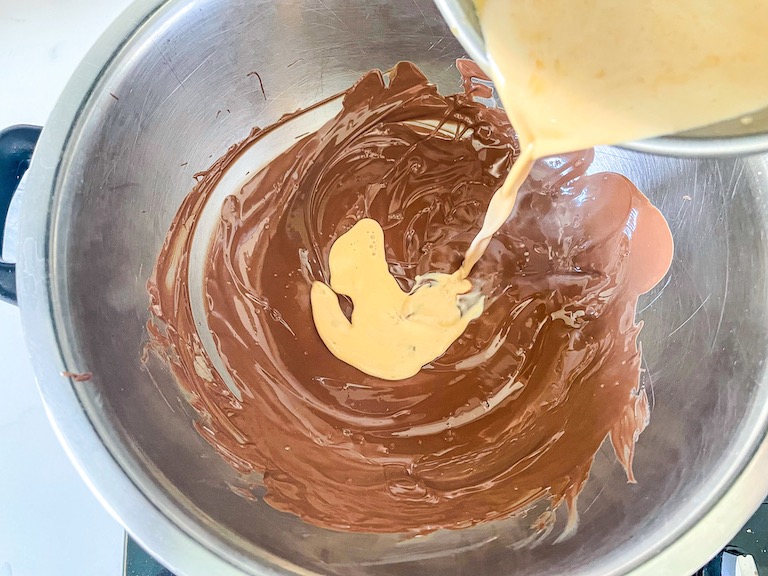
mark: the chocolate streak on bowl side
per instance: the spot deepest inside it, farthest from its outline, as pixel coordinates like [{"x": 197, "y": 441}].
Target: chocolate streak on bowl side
[{"x": 512, "y": 413}]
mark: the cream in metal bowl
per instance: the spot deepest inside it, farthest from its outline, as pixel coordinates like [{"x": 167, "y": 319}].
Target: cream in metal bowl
[{"x": 737, "y": 136}]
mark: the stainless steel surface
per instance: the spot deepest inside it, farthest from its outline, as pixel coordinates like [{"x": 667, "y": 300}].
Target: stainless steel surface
[
  {"x": 165, "y": 92},
  {"x": 728, "y": 138}
]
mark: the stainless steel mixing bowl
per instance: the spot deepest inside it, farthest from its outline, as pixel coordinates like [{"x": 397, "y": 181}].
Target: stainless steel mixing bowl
[
  {"x": 164, "y": 92},
  {"x": 728, "y": 138}
]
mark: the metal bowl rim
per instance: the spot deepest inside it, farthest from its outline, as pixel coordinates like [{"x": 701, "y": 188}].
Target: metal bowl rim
[{"x": 112, "y": 486}]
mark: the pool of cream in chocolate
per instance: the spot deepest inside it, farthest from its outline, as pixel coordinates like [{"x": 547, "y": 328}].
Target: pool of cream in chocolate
[{"x": 517, "y": 407}]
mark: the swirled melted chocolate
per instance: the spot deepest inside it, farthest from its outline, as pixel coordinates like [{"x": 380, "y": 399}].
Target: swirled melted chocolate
[{"x": 516, "y": 408}]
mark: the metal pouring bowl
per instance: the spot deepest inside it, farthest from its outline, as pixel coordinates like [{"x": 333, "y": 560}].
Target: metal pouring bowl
[
  {"x": 163, "y": 94},
  {"x": 728, "y": 138}
]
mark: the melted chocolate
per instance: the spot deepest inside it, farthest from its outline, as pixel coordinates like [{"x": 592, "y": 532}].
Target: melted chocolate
[{"x": 517, "y": 407}]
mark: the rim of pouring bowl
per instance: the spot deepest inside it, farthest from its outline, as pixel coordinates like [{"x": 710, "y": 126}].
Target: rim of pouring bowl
[{"x": 727, "y": 138}]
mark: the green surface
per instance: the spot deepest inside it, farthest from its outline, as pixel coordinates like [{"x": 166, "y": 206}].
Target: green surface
[
  {"x": 753, "y": 538},
  {"x": 139, "y": 563}
]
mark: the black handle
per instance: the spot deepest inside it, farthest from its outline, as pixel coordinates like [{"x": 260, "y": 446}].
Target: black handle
[{"x": 16, "y": 146}]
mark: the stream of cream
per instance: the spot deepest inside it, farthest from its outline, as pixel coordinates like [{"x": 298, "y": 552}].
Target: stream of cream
[{"x": 571, "y": 75}]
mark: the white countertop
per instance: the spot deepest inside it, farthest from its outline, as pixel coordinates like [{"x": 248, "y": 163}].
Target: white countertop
[{"x": 50, "y": 524}]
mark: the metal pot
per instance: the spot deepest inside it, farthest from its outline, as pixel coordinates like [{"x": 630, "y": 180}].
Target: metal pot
[{"x": 164, "y": 92}]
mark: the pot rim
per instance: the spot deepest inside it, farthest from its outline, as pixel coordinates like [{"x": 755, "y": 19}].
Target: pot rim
[{"x": 155, "y": 531}]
